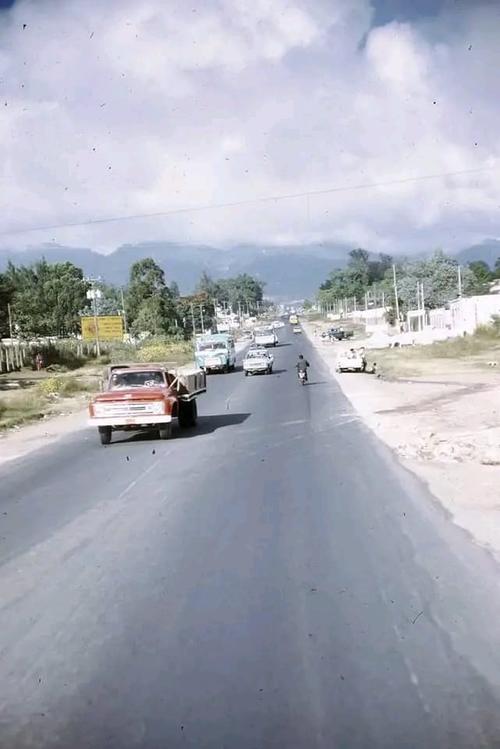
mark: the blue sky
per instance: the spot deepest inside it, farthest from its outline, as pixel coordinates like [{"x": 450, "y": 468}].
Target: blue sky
[{"x": 118, "y": 108}]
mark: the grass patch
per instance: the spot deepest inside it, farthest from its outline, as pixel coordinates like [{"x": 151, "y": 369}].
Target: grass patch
[
  {"x": 21, "y": 408},
  {"x": 472, "y": 351}
]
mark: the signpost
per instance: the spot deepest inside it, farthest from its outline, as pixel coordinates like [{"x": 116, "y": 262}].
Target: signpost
[{"x": 102, "y": 328}]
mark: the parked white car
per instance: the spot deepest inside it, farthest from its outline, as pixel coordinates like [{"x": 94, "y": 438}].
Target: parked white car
[
  {"x": 258, "y": 361},
  {"x": 353, "y": 360}
]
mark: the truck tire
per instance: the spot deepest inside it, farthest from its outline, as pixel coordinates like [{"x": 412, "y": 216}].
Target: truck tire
[
  {"x": 105, "y": 435},
  {"x": 188, "y": 414},
  {"x": 165, "y": 431},
  {"x": 194, "y": 413},
  {"x": 246, "y": 372}
]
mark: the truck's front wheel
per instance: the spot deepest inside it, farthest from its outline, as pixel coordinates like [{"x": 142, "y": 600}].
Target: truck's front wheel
[
  {"x": 105, "y": 435},
  {"x": 165, "y": 432}
]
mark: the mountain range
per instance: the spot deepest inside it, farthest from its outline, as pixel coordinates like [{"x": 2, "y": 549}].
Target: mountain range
[{"x": 289, "y": 271}]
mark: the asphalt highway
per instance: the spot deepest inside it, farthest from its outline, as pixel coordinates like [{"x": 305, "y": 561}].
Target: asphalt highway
[{"x": 273, "y": 578}]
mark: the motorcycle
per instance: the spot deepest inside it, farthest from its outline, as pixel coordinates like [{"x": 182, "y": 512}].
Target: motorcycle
[{"x": 302, "y": 376}]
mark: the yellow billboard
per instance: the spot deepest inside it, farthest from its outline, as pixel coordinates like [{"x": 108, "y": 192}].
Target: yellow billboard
[{"x": 109, "y": 328}]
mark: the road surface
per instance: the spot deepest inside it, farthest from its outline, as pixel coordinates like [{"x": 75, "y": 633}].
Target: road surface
[{"x": 272, "y": 579}]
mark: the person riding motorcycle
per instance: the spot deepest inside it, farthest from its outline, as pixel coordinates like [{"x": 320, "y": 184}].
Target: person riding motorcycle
[{"x": 302, "y": 366}]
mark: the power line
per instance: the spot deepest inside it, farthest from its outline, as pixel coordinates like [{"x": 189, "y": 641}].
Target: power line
[{"x": 249, "y": 201}]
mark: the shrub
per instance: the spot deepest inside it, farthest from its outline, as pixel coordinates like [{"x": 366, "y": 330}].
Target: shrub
[{"x": 50, "y": 386}]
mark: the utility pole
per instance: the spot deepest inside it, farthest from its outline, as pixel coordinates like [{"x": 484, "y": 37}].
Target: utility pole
[
  {"x": 423, "y": 304},
  {"x": 123, "y": 312},
  {"x": 201, "y": 315},
  {"x": 459, "y": 280},
  {"x": 95, "y": 294},
  {"x": 192, "y": 320},
  {"x": 396, "y": 300},
  {"x": 239, "y": 312},
  {"x": 10, "y": 321},
  {"x": 215, "y": 314}
]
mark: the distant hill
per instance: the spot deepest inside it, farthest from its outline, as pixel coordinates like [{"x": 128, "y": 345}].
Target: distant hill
[
  {"x": 289, "y": 271},
  {"x": 488, "y": 250}
]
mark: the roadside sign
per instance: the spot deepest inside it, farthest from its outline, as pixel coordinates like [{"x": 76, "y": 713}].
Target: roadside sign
[{"x": 109, "y": 328}]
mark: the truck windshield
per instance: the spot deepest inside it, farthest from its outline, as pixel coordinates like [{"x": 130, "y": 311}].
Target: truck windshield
[
  {"x": 136, "y": 380},
  {"x": 264, "y": 331},
  {"x": 212, "y": 346}
]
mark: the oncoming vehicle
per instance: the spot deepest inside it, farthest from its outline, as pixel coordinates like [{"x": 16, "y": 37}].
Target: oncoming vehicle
[
  {"x": 265, "y": 337},
  {"x": 258, "y": 361},
  {"x": 278, "y": 324},
  {"x": 216, "y": 353},
  {"x": 293, "y": 319},
  {"x": 297, "y": 329},
  {"x": 146, "y": 397}
]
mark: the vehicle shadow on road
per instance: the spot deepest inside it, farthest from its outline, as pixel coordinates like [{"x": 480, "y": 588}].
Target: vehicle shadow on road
[
  {"x": 204, "y": 425},
  {"x": 318, "y": 382},
  {"x": 209, "y": 424}
]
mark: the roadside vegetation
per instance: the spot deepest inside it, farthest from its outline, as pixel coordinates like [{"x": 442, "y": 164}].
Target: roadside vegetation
[
  {"x": 366, "y": 282},
  {"x": 478, "y": 351}
]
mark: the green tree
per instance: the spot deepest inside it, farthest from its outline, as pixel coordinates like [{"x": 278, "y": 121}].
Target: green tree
[
  {"x": 149, "y": 303},
  {"x": 240, "y": 290},
  {"x": 48, "y": 298},
  {"x": 6, "y": 295},
  {"x": 482, "y": 276},
  {"x": 439, "y": 275},
  {"x": 207, "y": 286},
  {"x": 174, "y": 290}
]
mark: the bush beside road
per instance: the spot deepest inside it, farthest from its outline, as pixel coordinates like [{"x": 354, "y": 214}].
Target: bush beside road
[{"x": 438, "y": 408}]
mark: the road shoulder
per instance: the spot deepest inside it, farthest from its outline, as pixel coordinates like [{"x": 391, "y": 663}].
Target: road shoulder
[{"x": 445, "y": 429}]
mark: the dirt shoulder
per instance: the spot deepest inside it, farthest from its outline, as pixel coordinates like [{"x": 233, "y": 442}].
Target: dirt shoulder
[{"x": 443, "y": 423}]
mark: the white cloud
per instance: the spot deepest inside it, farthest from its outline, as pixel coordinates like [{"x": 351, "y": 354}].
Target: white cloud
[{"x": 122, "y": 107}]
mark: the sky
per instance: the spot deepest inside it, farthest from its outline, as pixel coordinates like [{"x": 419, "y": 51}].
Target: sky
[{"x": 180, "y": 107}]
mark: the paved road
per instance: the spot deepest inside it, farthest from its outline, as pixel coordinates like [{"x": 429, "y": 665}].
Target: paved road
[{"x": 273, "y": 579}]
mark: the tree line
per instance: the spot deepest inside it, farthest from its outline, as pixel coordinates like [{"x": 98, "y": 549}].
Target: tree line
[
  {"x": 367, "y": 281},
  {"x": 48, "y": 299}
]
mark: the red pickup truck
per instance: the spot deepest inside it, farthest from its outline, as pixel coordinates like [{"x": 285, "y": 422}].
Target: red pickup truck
[{"x": 146, "y": 397}]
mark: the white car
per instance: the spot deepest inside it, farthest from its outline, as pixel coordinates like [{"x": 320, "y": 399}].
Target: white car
[
  {"x": 353, "y": 360},
  {"x": 258, "y": 361},
  {"x": 277, "y": 324},
  {"x": 265, "y": 337},
  {"x": 297, "y": 329}
]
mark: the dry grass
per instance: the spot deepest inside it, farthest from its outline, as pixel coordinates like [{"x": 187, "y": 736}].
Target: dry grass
[
  {"x": 458, "y": 354},
  {"x": 40, "y": 398}
]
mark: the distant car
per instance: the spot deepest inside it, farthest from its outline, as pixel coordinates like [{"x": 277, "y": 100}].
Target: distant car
[
  {"x": 265, "y": 337},
  {"x": 258, "y": 361},
  {"x": 277, "y": 324},
  {"x": 297, "y": 329}
]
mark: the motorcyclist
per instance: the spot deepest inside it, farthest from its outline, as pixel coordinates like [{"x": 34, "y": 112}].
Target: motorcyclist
[{"x": 302, "y": 365}]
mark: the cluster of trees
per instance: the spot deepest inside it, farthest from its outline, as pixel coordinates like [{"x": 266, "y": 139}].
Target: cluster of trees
[
  {"x": 48, "y": 299},
  {"x": 364, "y": 278}
]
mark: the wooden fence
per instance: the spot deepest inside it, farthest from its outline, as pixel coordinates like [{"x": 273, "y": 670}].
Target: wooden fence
[{"x": 17, "y": 354}]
